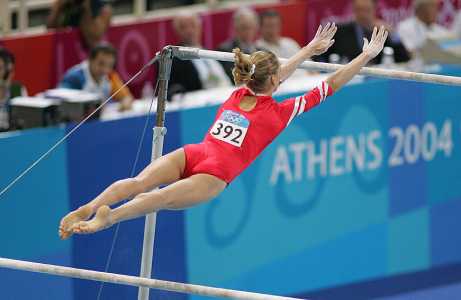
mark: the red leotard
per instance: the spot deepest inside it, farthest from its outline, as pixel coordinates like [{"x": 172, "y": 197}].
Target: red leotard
[{"x": 237, "y": 137}]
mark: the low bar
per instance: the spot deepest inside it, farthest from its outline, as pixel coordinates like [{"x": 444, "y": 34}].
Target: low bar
[{"x": 134, "y": 281}]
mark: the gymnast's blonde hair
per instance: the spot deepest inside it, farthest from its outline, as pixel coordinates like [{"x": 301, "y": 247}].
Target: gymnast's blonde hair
[{"x": 255, "y": 70}]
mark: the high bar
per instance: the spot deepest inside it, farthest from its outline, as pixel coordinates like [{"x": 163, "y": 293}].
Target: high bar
[
  {"x": 196, "y": 53},
  {"x": 134, "y": 281}
]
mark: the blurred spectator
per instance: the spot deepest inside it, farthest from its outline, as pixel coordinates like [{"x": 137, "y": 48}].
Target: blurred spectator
[
  {"x": 271, "y": 27},
  {"x": 92, "y": 17},
  {"x": 456, "y": 27},
  {"x": 97, "y": 75},
  {"x": 8, "y": 88},
  {"x": 245, "y": 25},
  {"x": 415, "y": 30},
  {"x": 197, "y": 74},
  {"x": 349, "y": 37}
]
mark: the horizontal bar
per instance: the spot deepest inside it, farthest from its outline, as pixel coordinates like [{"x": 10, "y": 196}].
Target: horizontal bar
[
  {"x": 134, "y": 281},
  {"x": 196, "y": 53}
]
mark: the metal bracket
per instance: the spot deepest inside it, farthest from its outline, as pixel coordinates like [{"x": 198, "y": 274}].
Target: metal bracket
[{"x": 165, "y": 61}]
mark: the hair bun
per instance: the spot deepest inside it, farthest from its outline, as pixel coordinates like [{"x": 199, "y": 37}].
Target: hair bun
[{"x": 254, "y": 70}]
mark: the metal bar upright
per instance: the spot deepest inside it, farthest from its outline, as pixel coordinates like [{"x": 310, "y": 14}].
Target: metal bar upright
[
  {"x": 23, "y": 13},
  {"x": 5, "y": 16},
  {"x": 166, "y": 57},
  {"x": 139, "y": 8}
]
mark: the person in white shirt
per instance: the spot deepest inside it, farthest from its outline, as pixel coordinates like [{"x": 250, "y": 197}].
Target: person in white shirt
[
  {"x": 415, "y": 30},
  {"x": 271, "y": 26},
  {"x": 270, "y": 23},
  {"x": 197, "y": 74}
]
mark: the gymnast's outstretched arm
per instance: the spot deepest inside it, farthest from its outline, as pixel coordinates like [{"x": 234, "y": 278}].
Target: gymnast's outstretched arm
[
  {"x": 320, "y": 43},
  {"x": 370, "y": 51}
]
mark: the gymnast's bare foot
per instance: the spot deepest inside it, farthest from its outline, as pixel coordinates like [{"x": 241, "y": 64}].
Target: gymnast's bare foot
[
  {"x": 100, "y": 221},
  {"x": 81, "y": 214}
]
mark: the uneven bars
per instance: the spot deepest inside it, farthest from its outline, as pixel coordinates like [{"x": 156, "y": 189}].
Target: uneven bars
[
  {"x": 134, "y": 281},
  {"x": 195, "y": 53}
]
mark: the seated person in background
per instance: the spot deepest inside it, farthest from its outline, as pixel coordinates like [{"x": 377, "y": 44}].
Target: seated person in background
[
  {"x": 270, "y": 23},
  {"x": 245, "y": 26},
  {"x": 97, "y": 75},
  {"x": 92, "y": 17},
  {"x": 415, "y": 30},
  {"x": 197, "y": 74},
  {"x": 349, "y": 37},
  {"x": 8, "y": 88}
]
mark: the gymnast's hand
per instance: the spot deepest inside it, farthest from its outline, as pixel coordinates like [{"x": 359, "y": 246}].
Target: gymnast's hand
[
  {"x": 320, "y": 43},
  {"x": 323, "y": 39},
  {"x": 376, "y": 44}
]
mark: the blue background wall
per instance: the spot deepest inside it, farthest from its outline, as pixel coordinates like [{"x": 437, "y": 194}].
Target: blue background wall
[{"x": 363, "y": 227}]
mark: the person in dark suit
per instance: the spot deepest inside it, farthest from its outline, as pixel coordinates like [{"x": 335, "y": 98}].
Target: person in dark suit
[
  {"x": 246, "y": 26},
  {"x": 192, "y": 75},
  {"x": 349, "y": 37}
]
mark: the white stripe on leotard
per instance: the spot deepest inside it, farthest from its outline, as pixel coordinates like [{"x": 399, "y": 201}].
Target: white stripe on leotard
[
  {"x": 303, "y": 104},
  {"x": 320, "y": 88},
  {"x": 295, "y": 110}
]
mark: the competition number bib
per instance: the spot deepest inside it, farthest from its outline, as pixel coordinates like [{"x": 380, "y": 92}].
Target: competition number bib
[{"x": 231, "y": 127}]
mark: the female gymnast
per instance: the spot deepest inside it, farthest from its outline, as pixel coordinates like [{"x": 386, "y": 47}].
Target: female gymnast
[{"x": 245, "y": 124}]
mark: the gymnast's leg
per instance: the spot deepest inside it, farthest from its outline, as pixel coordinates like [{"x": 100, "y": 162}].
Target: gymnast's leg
[
  {"x": 164, "y": 170},
  {"x": 179, "y": 195}
]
